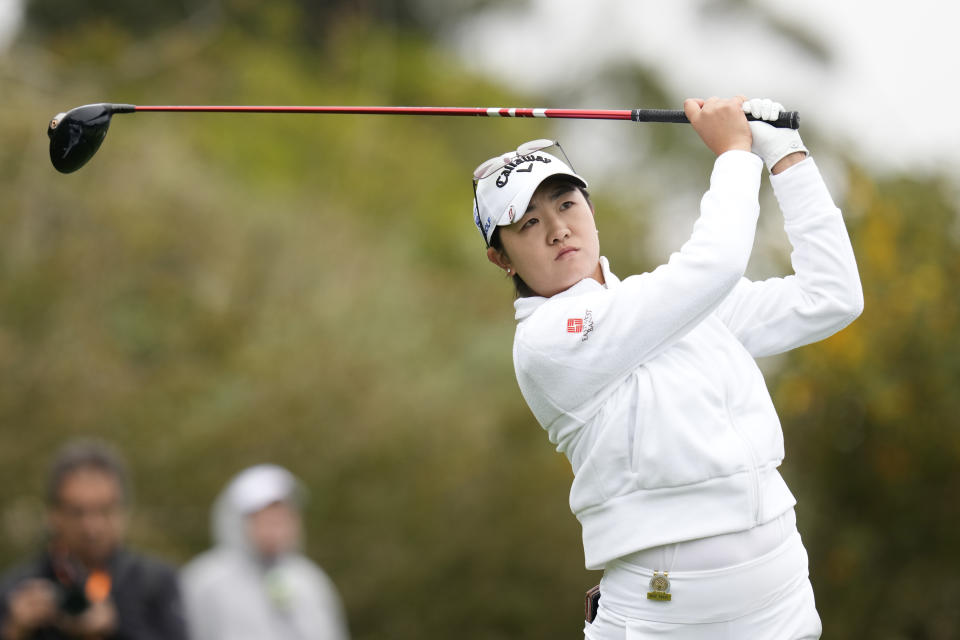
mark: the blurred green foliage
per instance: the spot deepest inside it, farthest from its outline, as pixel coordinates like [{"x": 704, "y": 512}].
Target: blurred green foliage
[
  {"x": 214, "y": 291},
  {"x": 306, "y": 23}
]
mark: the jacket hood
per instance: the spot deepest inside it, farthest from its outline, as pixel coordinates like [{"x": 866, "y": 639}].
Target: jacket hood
[{"x": 247, "y": 492}]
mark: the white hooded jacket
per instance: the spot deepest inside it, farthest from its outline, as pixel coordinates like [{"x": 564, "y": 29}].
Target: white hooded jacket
[
  {"x": 649, "y": 385},
  {"x": 229, "y": 593}
]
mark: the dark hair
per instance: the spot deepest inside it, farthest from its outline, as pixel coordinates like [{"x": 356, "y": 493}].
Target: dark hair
[
  {"x": 86, "y": 454},
  {"x": 521, "y": 288}
]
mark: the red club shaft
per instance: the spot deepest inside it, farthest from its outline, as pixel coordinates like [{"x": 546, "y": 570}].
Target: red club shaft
[{"x": 490, "y": 112}]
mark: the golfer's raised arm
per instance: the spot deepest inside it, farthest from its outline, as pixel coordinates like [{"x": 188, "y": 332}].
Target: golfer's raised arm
[
  {"x": 822, "y": 296},
  {"x": 647, "y": 313}
]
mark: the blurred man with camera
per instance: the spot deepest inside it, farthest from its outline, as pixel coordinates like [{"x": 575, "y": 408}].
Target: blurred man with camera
[{"x": 84, "y": 583}]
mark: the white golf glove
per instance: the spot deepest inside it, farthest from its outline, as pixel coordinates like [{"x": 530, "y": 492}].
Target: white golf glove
[{"x": 769, "y": 142}]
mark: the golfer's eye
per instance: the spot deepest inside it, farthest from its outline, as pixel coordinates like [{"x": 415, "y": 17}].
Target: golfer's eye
[
  {"x": 566, "y": 205},
  {"x": 529, "y": 223}
]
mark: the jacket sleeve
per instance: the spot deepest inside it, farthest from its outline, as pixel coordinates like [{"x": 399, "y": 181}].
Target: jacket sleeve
[
  {"x": 625, "y": 326},
  {"x": 9, "y": 582},
  {"x": 326, "y": 615},
  {"x": 168, "y": 608},
  {"x": 199, "y": 609},
  {"x": 822, "y": 296},
  {"x": 151, "y": 607}
]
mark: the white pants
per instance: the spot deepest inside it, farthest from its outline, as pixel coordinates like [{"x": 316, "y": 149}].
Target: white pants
[{"x": 766, "y": 598}]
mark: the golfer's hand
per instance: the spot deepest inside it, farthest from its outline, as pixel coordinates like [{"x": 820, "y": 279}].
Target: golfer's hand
[
  {"x": 779, "y": 148},
  {"x": 720, "y": 123},
  {"x": 31, "y": 606}
]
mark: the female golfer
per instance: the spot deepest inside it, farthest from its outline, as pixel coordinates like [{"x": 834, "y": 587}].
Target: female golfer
[{"x": 649, "y": 386}]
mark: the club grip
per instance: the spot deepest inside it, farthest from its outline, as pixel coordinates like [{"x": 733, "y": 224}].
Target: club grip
[{"x": 787, "y": 119}]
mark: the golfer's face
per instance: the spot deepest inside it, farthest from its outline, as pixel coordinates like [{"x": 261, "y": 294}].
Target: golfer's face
[{"x": 555, "y": 244}]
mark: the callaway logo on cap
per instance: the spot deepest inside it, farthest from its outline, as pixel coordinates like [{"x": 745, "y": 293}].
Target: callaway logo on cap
[{"x": 508, "y": 182}]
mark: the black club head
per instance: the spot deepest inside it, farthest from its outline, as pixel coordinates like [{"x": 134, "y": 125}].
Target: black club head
[{"x": 77, "y": 134}]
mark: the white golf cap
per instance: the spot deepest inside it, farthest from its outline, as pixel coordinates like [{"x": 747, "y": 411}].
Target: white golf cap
[
  {"x": 260, "y": 486},
  {"x": 503, "y": 196}
]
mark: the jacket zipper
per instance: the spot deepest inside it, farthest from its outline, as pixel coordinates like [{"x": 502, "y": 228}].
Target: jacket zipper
[{"x": 754, "y": 467}]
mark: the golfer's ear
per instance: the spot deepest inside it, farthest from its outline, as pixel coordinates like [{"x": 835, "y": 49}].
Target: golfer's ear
[{"x": 498, "y": 257}]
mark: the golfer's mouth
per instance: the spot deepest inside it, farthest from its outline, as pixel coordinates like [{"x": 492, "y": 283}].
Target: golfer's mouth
[{"x": 566, "y": 252}]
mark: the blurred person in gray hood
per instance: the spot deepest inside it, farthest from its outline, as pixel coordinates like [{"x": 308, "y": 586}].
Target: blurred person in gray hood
[{"x": 255, "y": 583}]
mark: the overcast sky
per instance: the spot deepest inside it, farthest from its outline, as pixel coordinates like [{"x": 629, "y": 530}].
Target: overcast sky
[{"x": 9, "y": 21}]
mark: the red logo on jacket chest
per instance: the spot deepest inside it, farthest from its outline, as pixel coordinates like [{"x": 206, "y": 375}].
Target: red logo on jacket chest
[{"x": 583, "y": 326}]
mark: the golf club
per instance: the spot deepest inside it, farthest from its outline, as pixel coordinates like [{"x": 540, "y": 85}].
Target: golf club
[{"x": 77, "y": 134}]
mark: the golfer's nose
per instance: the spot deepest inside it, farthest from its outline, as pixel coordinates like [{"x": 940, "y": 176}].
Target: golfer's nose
[{"x": 559, "y": 230}]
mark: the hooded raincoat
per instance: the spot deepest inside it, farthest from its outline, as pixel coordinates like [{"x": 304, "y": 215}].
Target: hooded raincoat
[{"x": 230, "y": 592}]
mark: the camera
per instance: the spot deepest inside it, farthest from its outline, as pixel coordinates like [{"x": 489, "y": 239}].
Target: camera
[{"x": 71, "y": 599}]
